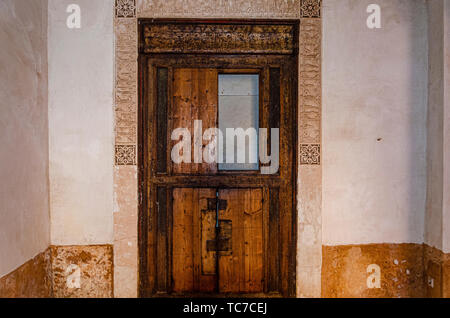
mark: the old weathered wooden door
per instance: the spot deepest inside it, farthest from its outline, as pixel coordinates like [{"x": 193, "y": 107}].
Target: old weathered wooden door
[{"x": 213, "y": 223}]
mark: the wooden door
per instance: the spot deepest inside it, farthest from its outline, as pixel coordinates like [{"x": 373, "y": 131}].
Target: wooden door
[
  {"x": 206, "y": 228},
  {"x": 221, "y": 256},
  {"x": 217, "y": 233}
]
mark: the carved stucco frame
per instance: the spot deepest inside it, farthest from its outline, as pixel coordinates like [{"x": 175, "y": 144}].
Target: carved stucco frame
[{"x": 127, "y": 13}]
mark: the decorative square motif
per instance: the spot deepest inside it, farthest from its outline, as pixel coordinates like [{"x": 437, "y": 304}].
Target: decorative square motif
[
  {"x": 310, "y": 154},
  {"x": 125, "y": 8},
  {"x": 310, "y": 8},
  {"x": 125, "y": 155}
]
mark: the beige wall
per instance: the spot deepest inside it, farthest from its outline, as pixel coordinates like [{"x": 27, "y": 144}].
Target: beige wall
[
  {"x": 437, "y": 221},
  {"x": 374, "y": 125},
  {"x": 24, "y": 207},
  {"x": 374, "y": 122},
  {"x": 446, "y": 128},
  {"x": 81, "y": 123},
  {"x": 435, "y": 137},
  {"x": 374, "y": 191}
]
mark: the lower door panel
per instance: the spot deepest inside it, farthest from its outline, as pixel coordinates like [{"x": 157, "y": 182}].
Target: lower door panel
[{"x": 217, "y": 241}]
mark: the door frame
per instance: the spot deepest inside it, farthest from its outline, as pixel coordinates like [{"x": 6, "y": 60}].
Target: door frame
[{"x": 144, "y": 145}]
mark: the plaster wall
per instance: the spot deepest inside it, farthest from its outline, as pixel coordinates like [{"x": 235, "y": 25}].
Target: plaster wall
[
  {"x": 374, "y": 122},
  {"x": 81, "y": 123},
  {"x": 24, "y": 208},
  {"x": 437, "y": 221},
  {"x": 374, "y": 130},
  {"x": 446, "y": 103},
  {"x": 435, "y": 136}
]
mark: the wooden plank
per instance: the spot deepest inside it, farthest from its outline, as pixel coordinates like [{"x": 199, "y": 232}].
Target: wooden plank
[
  {"x": 195, "y": 98},
  {"x": 219, "y": 62},
  {"x": 253, "y": 241},
  {"x": 274, "y": 241},
  {"x": 264, "y": 114},
  {"x": 143, "y": 227},
  {"x": 266, "y": 251},
  {"x": 274, "y": 101},
  {"x": 182, "y": 254},
  {"x": 220, "y": 180},
  {"x": 161, "y": 241},
  {"x": 241, "y": 271},
  {"x": 229, "y": 280},
  {"x": 292, "y": 186},
  {"x": 189, "y": 245},
  {"x": 169, "y": 120},
  {"x": 286, "y": 197},
  {"x": 208, "y": 233},
  {"x": 196, "y": 239},
  {"x": 151, "y": 250},
  {"x": 169, "y": 196},
  {"x": 161, "y": 119},
  {"x": 207, "y": 270},
  {"x": 181, "y": 109},
  {"x": 207, "y": 110}
]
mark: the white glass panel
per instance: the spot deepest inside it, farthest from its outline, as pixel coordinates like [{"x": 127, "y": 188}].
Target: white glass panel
[{"x": 238, "y": 118}]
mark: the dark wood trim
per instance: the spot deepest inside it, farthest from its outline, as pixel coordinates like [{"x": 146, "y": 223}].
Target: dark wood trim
[
  {"x": 219, "y": 21},
  {"x": 142, "y": 180},
  {"x": 294, "y": 218},
  {"x": 274, "y": 232},
  {"x": 162, "y": 79}
]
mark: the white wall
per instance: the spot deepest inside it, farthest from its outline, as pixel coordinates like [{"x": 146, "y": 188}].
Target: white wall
[
  {"x": 81, "y": 123},
  {"x": 374, "y": 87},
  {"x": 24, "y": 207},
  {"x": 374, "y": 122}
]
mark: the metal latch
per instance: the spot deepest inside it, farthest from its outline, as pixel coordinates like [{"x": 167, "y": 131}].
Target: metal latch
[
  {"x": 213, "y": 205},
  {"x": 223, "y": 243}
]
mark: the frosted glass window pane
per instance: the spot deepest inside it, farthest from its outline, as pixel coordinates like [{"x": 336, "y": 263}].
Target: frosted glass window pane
[{"x": 239, "y": 109}]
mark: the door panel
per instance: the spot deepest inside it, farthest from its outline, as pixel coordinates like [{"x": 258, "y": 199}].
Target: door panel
[
  {"x": 193, "y": 225},
  {"x": 195, "y": 95},
  {"x": 238, "y": 238},
  {"x": 241, "y": 270}
]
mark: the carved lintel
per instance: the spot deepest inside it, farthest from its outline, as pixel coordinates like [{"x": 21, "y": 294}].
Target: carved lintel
[{"x": 217, "y": 38}]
